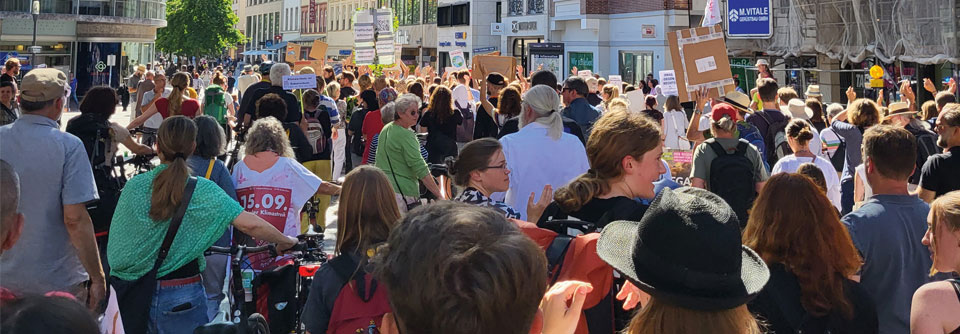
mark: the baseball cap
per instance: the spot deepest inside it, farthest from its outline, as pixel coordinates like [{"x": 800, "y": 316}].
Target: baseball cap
[
  {"x": 495, "y": 78},
  {"x": 43, "y": 84},
  {"x": 724, "y": 109}
]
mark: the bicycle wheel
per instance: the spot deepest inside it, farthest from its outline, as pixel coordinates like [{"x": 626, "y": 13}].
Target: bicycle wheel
[{"x": 256, "y": 324}]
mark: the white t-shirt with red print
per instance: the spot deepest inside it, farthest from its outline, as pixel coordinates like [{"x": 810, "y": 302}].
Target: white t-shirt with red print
[{"x": 276, "y": 195}]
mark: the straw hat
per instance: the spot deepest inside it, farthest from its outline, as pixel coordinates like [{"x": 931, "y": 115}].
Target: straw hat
[
  {"x": 796, "y": 108},
  {"x": 813, "y": 91}
]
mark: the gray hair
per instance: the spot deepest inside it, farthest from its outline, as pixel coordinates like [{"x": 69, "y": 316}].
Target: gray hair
[
  {"x": 546, "y": 105},
  {"x": 388, "y": 112},
  {"x": 832, "y": 110},
  {"x": 406, "y": 102},
  {"x": 9, "y": 193},
  {"x": 210, "y": 137},
  {"x": 277, "y": 72},
  {"x": 267, "y": 134}
]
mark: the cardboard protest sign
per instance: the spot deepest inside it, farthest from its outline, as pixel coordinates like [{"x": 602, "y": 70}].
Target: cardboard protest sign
[
  {"x": 303, "y": 81},
  {"x": 293, "y": 52},
  {"x": 680, "y": 163},
  {"x": 699, "y": 57},
  {"x": 317, "y": 65},
  {"x": 585, "y": 74},
  {"x": 483, "y": 65},
  {"x": 318, "y": 50}
]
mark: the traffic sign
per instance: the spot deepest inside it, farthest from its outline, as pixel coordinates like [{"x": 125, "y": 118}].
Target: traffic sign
[
  {"x": 749, "y": 18},
  {"x": 111, "y": 60}
]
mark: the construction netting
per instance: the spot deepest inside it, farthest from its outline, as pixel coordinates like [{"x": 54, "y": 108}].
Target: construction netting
[{"x": 920, "y": 31}]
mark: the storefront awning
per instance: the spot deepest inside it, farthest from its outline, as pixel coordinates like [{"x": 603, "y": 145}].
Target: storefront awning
[
  {"x": 256, "y": 53},
  {"x": 275, "y": 47}
]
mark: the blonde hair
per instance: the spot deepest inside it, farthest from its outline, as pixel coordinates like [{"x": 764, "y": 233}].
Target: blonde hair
[
  {"x": 332, "y": 90},
  {"x": 612, "y": 92},
  {"x": 725, "y": 124},
  {"x": 635, "y": 134},
  {"x": 267, "y": 134},
  {"x": 618, "y": 103},
  {"x": 658, "y": 317},
  {"x": 945, "y": 209},
  {"x": 180, "y": 83}
]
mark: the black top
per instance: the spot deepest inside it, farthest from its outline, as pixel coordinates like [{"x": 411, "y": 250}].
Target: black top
[
  {"x": 486, "y": 126},
  {"x": 356, "y": 126},
  {"x": 7, "y": 77},
  {"x": 441, "y": 136},
  {"x": 941, "y": 172},
  {"x": 322, "y": 116},
  {"x": 594, "y": 99},
  {"x": 655, "y": 114},
  {"x": 779, "y": 305},
  {"x": 570, "y": 126},
  {"x": 299, "y": 142},
  {"x": 346, "y": 92},
  {"x": 231, "y": 81},
  {"x": 600, "y": 211},
  {"x": 293, "y": 105},
  {"x": 246, "y": 100}
]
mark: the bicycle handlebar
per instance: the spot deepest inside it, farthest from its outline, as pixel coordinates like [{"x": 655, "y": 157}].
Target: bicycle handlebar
[{"x": 243, "y": 250}]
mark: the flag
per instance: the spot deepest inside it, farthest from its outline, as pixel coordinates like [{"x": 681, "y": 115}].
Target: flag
[{"x": 711, "y": 14}]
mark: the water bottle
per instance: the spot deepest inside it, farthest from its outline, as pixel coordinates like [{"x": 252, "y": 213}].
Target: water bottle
[{"x": 247, "y": 278}]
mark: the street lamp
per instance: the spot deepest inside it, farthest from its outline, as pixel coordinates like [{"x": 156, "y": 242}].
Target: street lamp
[{"x": 35, "y": 11}]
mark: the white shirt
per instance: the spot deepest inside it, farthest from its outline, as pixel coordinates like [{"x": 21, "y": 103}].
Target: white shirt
[
  {"x": 675, "y": 127},
  {"x": 154, "y": 121},
  {"x": 536, "y": 160},
  {"x": 245, "y": 81},
  {"x": 790, "y": 163}
]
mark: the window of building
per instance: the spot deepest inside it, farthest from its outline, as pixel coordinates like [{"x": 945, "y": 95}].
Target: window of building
[
  {"x": 534, "y": 6},
  {"x": 516, "y": 7},
  {"x": 634, "y": 65},
  {"x": 499, "y": 12},
  {"x": 453, "y": 15},
  {"x": 407, "y": 11},
  {"x": 429, "y": 11}
]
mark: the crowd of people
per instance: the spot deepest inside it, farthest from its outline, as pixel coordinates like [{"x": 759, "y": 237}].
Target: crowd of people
[{"x": 556, "y": 212}]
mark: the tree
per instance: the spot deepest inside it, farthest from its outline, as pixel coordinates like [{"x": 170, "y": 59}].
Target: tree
[{"x": 198, "y": 28}]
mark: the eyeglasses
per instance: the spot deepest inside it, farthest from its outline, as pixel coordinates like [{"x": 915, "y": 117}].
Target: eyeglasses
[
  {"x": 500, "y": 166},
  {"x": 941, "y": 127}
]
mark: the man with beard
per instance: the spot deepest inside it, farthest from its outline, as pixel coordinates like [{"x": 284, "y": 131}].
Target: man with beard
[{"x": 939, "y": 174}]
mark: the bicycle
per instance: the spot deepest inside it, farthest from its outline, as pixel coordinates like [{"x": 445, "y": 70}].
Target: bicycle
[
  {"x": 234, "y": 153},
  {"x": 308, "y": 259},
  {"x": 242, "y": 305},
  {"x": 141, "y": 163}
]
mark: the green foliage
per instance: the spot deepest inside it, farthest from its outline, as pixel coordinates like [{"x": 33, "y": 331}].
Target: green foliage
[{"x": 198, "y": 28}]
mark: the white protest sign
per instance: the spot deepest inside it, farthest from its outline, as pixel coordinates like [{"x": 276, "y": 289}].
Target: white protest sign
[
  {"x": 303, "y": 81},
  {"x": 668, "y": 83},
  {"x": 636, "y": 99},
  {"x": 363, "y": 32},
  {"x": 365, "y": 56},
  {"x": 457, "y": 60},
  {"x": 585, "y": 74},
  {"x": 616, "y": 81}
]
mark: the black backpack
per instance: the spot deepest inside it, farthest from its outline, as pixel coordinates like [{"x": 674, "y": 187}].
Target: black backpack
[
  {"x": 926, "y": 146},
  {"x": 731, "y": 178},
  {"x": 95, "y": 135},
  {"x": 776, "y": 139}
]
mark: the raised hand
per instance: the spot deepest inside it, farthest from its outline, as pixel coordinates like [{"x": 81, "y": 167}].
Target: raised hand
[
  {"x": 535, "y": 208},
  {"x": 851, "y": 95},
  {"x": 880, "y": 98},
  {"x": 558, "y": 318},
  {"x": 573, "y": 71},
  {"x": 906, "y": 91},
  {"x": 929, "y": 86},
  {"x": 631, "y": 296},
  {"x": 952, "y": 86}
]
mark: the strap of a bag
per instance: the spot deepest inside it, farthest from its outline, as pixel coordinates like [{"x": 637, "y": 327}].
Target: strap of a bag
[
  {"x": 175, "y": 222},
  {"x": 210, "y": 168}
]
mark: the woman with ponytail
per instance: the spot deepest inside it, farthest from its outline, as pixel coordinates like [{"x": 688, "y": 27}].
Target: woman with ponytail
[
  {"x": 624, "y": 151},
  {"x": 799, "y": 133},
  {"x": 148, "y": 204},
  {"x": 540, "y": 154},
  {"x": 177, "y": 104}
]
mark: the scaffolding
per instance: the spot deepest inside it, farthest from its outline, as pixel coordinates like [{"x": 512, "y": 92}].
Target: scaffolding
[{"x": 921, "y": 31}]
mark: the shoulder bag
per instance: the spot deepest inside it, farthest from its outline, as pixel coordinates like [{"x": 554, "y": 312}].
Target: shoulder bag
[{"x": 133, "y": 298}]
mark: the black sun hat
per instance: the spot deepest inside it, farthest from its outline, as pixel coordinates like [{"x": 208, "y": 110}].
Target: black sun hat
[{"x": 686, "y": 251}]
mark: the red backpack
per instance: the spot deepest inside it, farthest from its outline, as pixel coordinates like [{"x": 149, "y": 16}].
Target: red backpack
[{"x": 361, "y": 302}]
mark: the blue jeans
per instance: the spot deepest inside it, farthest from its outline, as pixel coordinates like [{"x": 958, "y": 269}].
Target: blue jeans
[
  {"x": 846, "y": 196},
  {"x": 213, "y": 278},
  {"x": 177, "y": 309}
]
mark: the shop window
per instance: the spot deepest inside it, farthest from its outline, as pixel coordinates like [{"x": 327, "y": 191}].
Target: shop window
[
  {"x": 95, "y": 7},
  {"x": 635, "y": 65},
  {"x": 581, "y": 60}
]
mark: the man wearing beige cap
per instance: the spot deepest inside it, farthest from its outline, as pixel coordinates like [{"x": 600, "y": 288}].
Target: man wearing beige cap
[
  {"x": 57, "y": 250},
  {"x": 901, "y": 114}
]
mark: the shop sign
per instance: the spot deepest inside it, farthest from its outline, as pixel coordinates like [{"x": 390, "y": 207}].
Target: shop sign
[
  {"x": 517, "y": 27},
  {"x": 462, "y": 44},
  {"x": 445, "y": 44},
  {"x": 530, "y": 26},
  {"x": 581, "y": 60},
  {"x": 749, "y": 19},
  {"x": 460, "y": 35},
  {"x": 648, "y": 31},
  {"x": 15, "y": 26},
  {"x": 496, "y": 29},
  {"x": 488, "y": 49},
  {"x": 313, "y": 11}
]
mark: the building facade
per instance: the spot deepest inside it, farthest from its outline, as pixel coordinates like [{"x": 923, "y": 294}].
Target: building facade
[
  {"x": 417, "y": 34},
  {"x": 523, "y": 22},
  {"x": 98, "y": 41},
  {"x": 466, "y": 26},
  {"x": 263, "y": 27}
]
